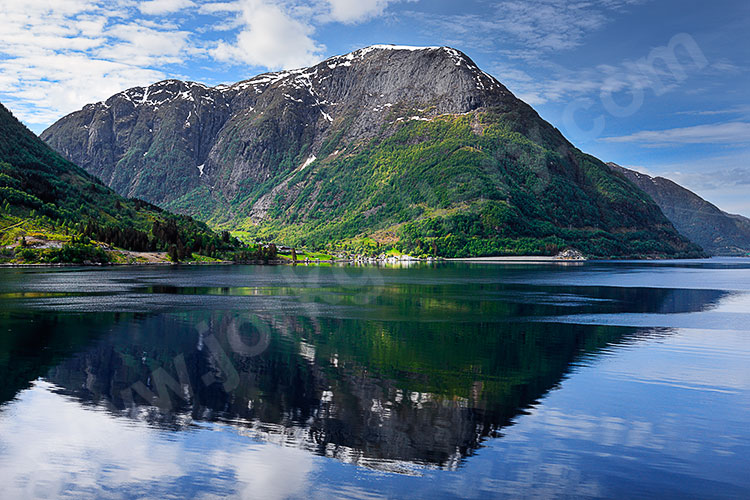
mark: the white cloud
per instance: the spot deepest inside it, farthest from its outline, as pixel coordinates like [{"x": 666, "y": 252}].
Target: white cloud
[
  {"x": 717, "y": 133},
  {"x": 46, "y": 87},
  {"x": 561, "y": 84},
  {"x": 215, "y": 7},
  {"x": 709, "y": 172},
  {"x": 661, "y": 70},
  {"x": 57, "y": 56},
  {"x": 725, "y": 186},
  {"x": 718, "y": 175},
  {"x": 161, "y": 7},
  {"x": 530, "y": 32},
  {"x": 142, "y": 45},
  {"x": 270, "y": 37},
  {"x": 735, "y": 110},
  {"x": 352, "y": 11}
]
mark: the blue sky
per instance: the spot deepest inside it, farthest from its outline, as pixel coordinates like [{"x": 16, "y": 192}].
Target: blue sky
[{"x": 657, "y": 85}]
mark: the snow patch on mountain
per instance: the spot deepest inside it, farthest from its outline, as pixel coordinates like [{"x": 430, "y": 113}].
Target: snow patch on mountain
[{"x": 308, "y": 162}]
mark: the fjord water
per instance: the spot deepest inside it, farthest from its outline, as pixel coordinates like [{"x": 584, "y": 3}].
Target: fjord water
[{"x": 600, "y": 380}]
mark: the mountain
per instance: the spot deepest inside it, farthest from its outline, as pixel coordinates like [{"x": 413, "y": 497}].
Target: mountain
[
  {"x": 411, "y": 149},
  {"x": 718, "y": 232},
  {"x": 50, "y": 209}
]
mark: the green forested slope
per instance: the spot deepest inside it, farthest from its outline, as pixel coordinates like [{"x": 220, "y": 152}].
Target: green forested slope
[
  {"x": 464, "y": 185},
  {"x": 45, "y": 197}
]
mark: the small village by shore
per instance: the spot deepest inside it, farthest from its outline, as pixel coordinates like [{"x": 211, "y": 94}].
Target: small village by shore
[{"x": 283, "y": 255}]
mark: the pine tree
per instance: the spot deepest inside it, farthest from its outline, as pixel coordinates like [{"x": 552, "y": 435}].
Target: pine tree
[
  {"x": 182, "y": 252},
  {"x": 174, "y": 255}
]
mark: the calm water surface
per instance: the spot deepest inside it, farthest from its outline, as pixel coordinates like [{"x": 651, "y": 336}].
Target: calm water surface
[{"x": 600, "y": 380}]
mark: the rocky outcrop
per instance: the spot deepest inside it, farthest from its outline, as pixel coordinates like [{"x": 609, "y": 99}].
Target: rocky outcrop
[{"x": 570, "y": 254}]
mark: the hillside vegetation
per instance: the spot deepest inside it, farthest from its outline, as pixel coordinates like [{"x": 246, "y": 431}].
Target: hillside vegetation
[
  {"x": 464, "y": 185},
  {"x": 53, "y": 211}
]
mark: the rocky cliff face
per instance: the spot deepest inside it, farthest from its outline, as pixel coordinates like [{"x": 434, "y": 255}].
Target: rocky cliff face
[
  {"x": 413, "y": 148},
  {"x": 145, "y": 142},
  {"x": 718, "y": 232},
  {"x": 162, "y": 141}
]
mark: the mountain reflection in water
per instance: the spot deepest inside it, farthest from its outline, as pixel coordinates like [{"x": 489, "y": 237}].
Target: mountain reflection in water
[{"x": 418, "y": 373}]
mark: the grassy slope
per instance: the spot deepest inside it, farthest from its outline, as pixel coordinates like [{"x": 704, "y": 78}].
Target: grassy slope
[{"x": 465, "y": 185}]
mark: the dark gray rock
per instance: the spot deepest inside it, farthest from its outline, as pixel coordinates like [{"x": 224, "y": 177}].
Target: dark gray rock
[{"x": 162, "y": 142}]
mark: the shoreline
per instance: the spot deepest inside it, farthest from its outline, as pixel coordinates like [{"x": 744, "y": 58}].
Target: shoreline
[
  {"x": 284, "y": 262},
  {"x": 515, "y": 258},
  {"x": 532, "y": 259}
]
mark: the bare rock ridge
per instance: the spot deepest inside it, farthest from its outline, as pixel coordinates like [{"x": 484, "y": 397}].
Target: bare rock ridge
[
  {"x": 718, "y": 232},
  {"x": 387, "y": 147}
]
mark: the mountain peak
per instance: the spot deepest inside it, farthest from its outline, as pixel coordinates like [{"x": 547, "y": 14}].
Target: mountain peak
[
  {"x": 302, "y": 76},
  {"x": 457, "y": 57},
  {"x": 438, "y": 70},
  {"x": 386, "y": 141},
  {"x": 380, "y": 85}
]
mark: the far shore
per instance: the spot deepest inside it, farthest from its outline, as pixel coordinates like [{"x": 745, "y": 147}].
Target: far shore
[
  {"x": 515, "y": 258},
  {"x": 302, "y": 262},
  {"x": 288, "y": 262}
]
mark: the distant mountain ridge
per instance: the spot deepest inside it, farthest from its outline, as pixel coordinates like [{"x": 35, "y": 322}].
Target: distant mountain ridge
[
  {"x": 716, "y": 231},
  {"x": 413, "y": 149}
]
